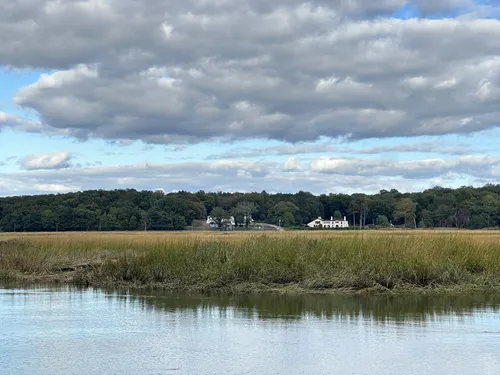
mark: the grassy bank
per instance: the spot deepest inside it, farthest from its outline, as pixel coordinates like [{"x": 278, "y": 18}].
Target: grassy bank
[{"x": 240, "y": 262}]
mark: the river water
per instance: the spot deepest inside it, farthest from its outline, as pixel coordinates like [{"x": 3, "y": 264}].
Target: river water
[{"x": 64, "y": 330}]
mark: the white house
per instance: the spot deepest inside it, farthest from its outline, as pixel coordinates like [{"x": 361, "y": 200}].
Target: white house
[
  {"x": 228, "y": 222},
  {"x": 321, "y": 223}
]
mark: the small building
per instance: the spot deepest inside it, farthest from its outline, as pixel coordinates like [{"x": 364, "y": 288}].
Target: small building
[
  {"x": 228, "y": 223},
  {"x": 328, "y": 224}
]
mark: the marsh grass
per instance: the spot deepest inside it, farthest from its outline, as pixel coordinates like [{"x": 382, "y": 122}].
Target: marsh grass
[{"x": 235, "y": 262}]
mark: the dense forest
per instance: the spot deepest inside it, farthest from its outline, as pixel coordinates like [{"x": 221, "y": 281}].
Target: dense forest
[{"x": 128, "y": 210}]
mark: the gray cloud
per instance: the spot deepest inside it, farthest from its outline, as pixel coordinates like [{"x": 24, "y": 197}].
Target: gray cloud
[
  {"x": 289, "y": 149},
  {"x": 443, "y": 6},
  {"x": 56, "y": 160},
  {"x": 171, "y": 73},
  {"x": 322, "y": 175},
  {"x": 59, "y": 34},
  {"x": 437, "y": 147},
  {"x": 19, "y": 123},
  {"x": 8, "y": 120},
  {"x": 476, "y": 166},
  {"x": 329, "y": 147}
]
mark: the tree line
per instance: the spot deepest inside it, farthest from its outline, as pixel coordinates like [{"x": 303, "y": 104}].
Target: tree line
[{"x": 131, "y": 210}]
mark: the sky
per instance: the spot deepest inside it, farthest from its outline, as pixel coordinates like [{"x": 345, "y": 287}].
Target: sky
[{"x": 325, "y": 96}]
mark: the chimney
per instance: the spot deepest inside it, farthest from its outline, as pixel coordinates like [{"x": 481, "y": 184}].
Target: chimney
[
  {"x": 345, "y": 219},
  {"x": 331, "y": 218}
]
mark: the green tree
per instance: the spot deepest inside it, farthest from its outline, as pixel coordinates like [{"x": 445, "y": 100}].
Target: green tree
[
  {"x": 383, "y": 221},
  {"x": 337, "y": 215},
  {"x": 462, "y": 217},
  {"x": 145, "y": 221},
  {"x": 406, "y": 209},
  {"x": 283, "y": 214},
  {"x": 426, "y": 219},
  {"x": 352, "y": 210},
  {"x": 384, "y": 203},
  {"x": 221, "y": 217},
  {"x": 109, "y": 222},
  {"x": 444, "y": 216},
  {"x": 242, "y": 213},
  {"x": 491, "y": 206},
  {"x": 239, "y": 216},
  {"x": 48, "y": 220},
  {"x": 466, "y": 207}
]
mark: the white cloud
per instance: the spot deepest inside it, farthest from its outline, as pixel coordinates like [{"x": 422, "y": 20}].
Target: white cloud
[
  {"x": 56, "y": 188},
  {"x": 292, "y": 164},
  {"x": 57, "y": 160}
]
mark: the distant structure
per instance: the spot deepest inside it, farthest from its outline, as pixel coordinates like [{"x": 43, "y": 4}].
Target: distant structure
[
  {"x": 328, "y": 224},
  {"x": 228, "y": 223}
]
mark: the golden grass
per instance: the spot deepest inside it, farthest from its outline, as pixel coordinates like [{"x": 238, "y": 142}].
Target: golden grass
[{"x": 241, "y": 261}]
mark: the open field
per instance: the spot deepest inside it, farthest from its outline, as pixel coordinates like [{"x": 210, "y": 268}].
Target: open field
[{"x": 395, "y": 261}]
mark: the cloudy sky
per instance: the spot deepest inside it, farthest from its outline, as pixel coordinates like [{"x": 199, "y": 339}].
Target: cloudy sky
[{"x": 246, "y": 95}]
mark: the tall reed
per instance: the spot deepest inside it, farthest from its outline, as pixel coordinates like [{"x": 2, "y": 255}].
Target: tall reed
[{"x": 356, "y": 261}]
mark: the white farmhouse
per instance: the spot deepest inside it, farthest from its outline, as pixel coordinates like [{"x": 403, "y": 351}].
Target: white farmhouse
[
  {"x": 227, "y": 222},
  {"x": 230, "y": 223},
  {"x": 321, "y": 223}
]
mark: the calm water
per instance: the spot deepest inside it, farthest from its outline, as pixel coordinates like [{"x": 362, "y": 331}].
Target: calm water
[{"x": 70, "y": 331}]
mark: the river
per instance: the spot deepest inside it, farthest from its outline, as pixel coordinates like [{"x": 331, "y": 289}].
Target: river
[{"x": 65, "y": 330}]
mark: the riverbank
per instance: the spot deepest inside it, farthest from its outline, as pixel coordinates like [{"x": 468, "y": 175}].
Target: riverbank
[{"x": 319, "y": 262}]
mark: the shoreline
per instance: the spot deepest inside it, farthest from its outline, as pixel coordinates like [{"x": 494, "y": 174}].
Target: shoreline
[{"x": 81, "y": 280}]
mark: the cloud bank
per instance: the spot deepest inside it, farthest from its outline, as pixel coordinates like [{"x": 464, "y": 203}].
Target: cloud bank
[
  {"x": 196, "y": 70},
  {"x": 322, "y": 175}
]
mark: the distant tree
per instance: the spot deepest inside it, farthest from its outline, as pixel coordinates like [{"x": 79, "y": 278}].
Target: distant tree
[
  {"x": 109, "y": 223},
  {"x": 491, "y": 206},
  {"x": 337, "y": 215},
  {"x": 383, "y": 221},
  {"x": 465, "y": 207},
  {"x": 426, "y": 219},
  {"x": 406, "y": 209},
  {"x": 352, "y": 210},
  {"x": 145, "y": 219},
  {"x": 48, "y": 220},
  {"x": 462, "y": 217},
  {"x": 364, "y": 209},
  {"x": 310, "y": 207},
  {"x": 444, "y": 216},
  {"x": 243, "y": 212},
  {"x": 220, "y": 217},
  {"x": 284, "y": 213},
  {"x": 383, "y": 203}
]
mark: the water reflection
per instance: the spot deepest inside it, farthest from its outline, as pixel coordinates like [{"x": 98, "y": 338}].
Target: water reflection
[
  {"x": 66, "y": 330},
  {"x": 380, "y": 308}
]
